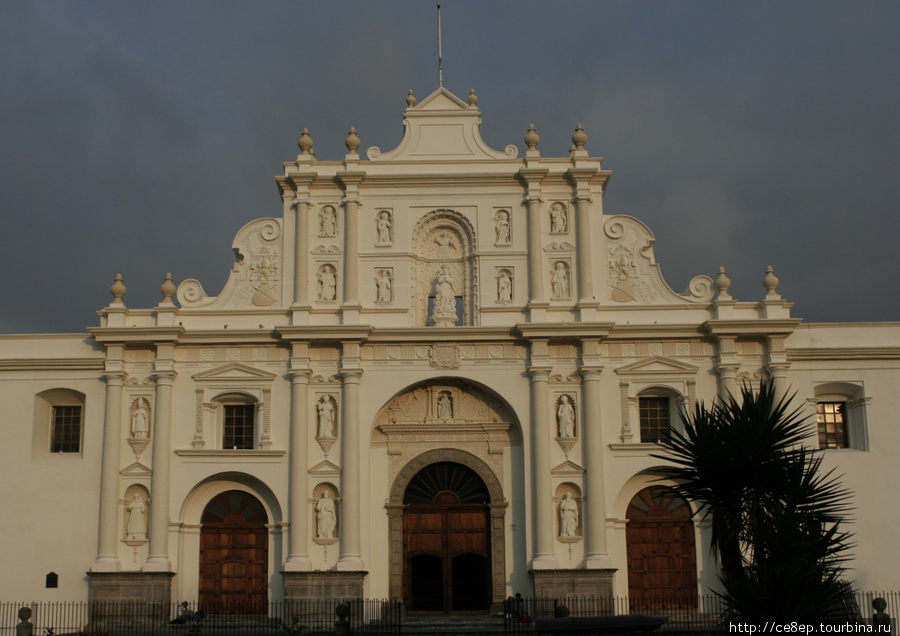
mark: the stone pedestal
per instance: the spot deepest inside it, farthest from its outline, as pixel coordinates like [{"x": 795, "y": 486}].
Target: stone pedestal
[
  {"x": 123, "y": 597},
  {"x": 561, "y": 584},
  {"x": 331, "y": 585}
]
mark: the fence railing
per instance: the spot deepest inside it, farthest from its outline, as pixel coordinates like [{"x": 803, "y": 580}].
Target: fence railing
[
  {"x": 706, "y": 612},
  {"x": 357, "y": 616}
]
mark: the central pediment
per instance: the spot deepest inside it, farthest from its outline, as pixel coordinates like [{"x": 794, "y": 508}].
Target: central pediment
[{"x": 442, "y": 127}]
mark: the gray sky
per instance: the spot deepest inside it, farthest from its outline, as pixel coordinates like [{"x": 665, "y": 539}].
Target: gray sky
[{"x": 138, "y": 137}]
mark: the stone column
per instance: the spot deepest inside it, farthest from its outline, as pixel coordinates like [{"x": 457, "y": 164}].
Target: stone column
[
  {"x": 107, "y": 553},
  {"x": 351, "y": 252},
  {"x": 298, "y": 504},
  {"x": 542, "y": 512},
  {"x": 586, "y": 292},
  {"x": 535, "y": 253},
  {"x": 728, "y": 385},
  {"x": 158, "y": 559},
  {"x": 596, "y": 552},
  {"x": 351, "y": 500},
  {"x": 301, "y": 251}
]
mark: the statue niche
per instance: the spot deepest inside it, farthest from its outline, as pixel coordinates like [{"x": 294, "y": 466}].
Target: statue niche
[{"x": 444, "y": 271}]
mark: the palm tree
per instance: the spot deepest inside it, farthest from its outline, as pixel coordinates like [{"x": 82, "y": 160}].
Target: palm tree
[{"x": 775, "y": 518}]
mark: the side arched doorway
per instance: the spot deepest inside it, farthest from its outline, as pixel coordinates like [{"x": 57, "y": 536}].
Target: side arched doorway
[
  {"x": 234, "y": 555},
  {"x": 446, "y": 540},
  {"x": 662, "y": 564}
]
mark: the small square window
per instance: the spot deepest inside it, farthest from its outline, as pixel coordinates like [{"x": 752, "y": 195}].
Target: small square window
[
  {"x": 831, "y": 420},
  {"x": 239, "y": 429},
  {"x": 66, "y": 436},
  {"x": 654, "y": 417}
]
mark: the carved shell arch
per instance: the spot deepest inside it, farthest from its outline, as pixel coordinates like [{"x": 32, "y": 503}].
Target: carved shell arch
[
  {"x": 416, "y": 409},
  {"x": 444, "y": 238}
]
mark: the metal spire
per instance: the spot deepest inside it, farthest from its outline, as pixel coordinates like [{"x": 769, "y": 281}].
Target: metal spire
[{"x": 440, "y": 62}]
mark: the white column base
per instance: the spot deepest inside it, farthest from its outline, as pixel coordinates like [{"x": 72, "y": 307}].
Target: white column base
[
  {"x": 298, "y": 564},
  {"x": 545, "y": 562},
  {"x": 351, "y": 563},
  {"x": 106, "y": 564},
  {"x": 598, "y": 562},
  {"x": 157, "y": 564}
]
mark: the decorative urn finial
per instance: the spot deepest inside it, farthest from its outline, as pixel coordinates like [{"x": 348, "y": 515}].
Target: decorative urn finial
[
  {"x": 168, "y": 289},
  {"x": 473, "y": 98},
  {"x": 118, "y": 290},
  {"x": 770, "y": 282},
  {"x": 532, "y": 139},
  {"x": 579, "y": 138},
  {"x": 305, "y": 142},
  {"x": 722, "y": 284},
  {"x": 352, "y": 142},
  {"x": 410, "y": 99}
]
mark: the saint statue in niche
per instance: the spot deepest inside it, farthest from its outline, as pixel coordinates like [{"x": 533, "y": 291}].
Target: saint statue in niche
[
  {"x": 383, "y": 225},
  {"x": 383, "y": 285},
  {"x": 565, "y": 417},
  {"x": 136, "y": 530},
  {"x": 327, "y": 283},
  {"x": 445, "y": 407},
  {"x": 326, "y": 417},
  {"x": 558, "y": 220},
  {"x": 326, "y": 520},
  {"x": 504, "y": 286},
  {"x": 328, "y": 221},
  {"x": 560, "y": 281},
  {"x": 140, "y": 422},
  {"x": 444, "y": 298},
  {"x": 502, "y": 229},
  {"x": 568, "y": 516}
]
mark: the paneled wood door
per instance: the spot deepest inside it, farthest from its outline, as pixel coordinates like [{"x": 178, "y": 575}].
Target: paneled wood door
[
  {"x": 662, "y": 564},
  {"x": 446, "y": 541},
  {"x": 234, "y": 555}
]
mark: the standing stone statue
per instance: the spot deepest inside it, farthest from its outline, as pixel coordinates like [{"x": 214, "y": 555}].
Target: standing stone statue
[
  {"x": 327, "y": 283},
  {"x": 140, "y": 422},
  {"x": 444, "y": 298},
  {"x": 502, "y": 229},
  {"x": 504, "y": 287},
  {"x": 383, "y": 286},
  {"x": 565, "y": 417},
  {"x": 328, "y": 222},
  {"x": 136, "y": 530},
  {"x": 558, "y": 220},
  {"x": 560, "y": 281},
  {"x": 445, "y": 407},
  {"x": 326, "y": 520},
  {"x": 326, "y": 417},
  {"x": 568, "y": 516},
  {"x": 383, "y": 225}
]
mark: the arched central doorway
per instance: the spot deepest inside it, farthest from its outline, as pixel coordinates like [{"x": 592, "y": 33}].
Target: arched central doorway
[
  {"x": 234, "y": 555},
  {"x": 662, "y": 564},
  {"x": 446, "y": 540}
]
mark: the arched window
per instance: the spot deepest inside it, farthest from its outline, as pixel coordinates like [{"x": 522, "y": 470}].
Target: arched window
[
  {"x": 658, "y": 414},
  {"x": 236, "y": 414},
  {"x": 841, "y": 416},
  {"x": 58, "y": 422}
]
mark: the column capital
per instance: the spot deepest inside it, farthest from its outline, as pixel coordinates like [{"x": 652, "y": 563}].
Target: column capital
[
  {"x": 114, "y": 378},
  {"x": 350, "y": 376},
  {"x": 591, "y": 374},
  {"x": 164, "y": 378}
]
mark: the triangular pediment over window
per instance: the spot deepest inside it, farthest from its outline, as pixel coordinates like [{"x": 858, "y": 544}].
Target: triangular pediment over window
[
  {"x": 325, "y": 468},
  {"x": 658, "y": 366},
  {"x": 234, "y": 372}
]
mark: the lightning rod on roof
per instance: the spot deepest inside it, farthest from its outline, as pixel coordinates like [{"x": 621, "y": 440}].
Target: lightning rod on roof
[{"x": 440, "y": 62}]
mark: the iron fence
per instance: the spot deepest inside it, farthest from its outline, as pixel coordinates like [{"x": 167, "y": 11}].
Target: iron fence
[
  {"x": 356, "y": 616},
  {"x": 704, "y": 613}
]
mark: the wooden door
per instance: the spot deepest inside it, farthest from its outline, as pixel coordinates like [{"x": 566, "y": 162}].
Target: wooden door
[
  {"x": 662, "y": 565},
  {"x": 234, "y": 555},
  {"x": 446, "y": 541}
]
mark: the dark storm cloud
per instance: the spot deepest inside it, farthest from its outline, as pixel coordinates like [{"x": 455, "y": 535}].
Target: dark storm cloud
[{"x": 139, "y": 137}]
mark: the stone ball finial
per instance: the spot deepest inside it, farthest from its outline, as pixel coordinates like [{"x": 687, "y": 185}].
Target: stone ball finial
[
  {"x": 473, "y": 98},
  {"x": 305, "y": 142},
  {"x": 118, "y": 289},
  {"x": 770, "y": 282},
  {"x": 722, "y": 284},
  {"x": 879, "y": 604},
  {"x": 352, "y": 142},
  {"x": 168, "y": 289},
  {"x": 579, "y": 138},
  {"x": 532, "y": 139},
  {"x": 410, "y": 99}
]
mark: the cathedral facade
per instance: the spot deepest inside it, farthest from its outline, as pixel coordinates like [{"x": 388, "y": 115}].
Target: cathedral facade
[{"x": 438, "y": 376}]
